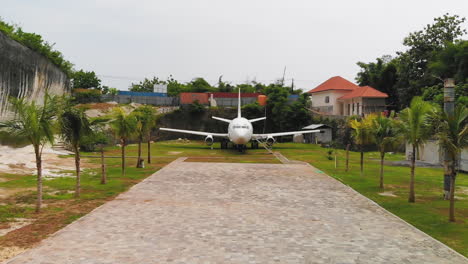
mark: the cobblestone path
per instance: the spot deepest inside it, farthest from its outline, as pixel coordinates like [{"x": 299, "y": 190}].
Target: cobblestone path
[{"x": 194, "y": 212}]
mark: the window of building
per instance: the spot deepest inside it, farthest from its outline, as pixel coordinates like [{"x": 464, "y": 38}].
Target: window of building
[
  {"x": 327, "y": 99},
  {"x": 357, "y": 110}
]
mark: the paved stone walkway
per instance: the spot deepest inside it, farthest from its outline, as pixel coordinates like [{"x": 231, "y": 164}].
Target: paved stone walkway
[{"x": 192, "y": 212}]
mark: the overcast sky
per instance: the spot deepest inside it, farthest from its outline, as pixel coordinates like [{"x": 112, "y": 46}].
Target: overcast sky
[{"x": 127, "y": 40}]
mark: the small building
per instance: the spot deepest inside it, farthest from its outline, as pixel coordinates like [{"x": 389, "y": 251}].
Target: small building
[
  {"x": 325, "y": 136},
  {"x": 430, "y": 152},
  {"x": 338, "y": 96}
]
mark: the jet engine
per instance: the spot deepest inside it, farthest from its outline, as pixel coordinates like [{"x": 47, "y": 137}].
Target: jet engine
[
  {"x": 209, "y": 140},
  {"x": 270, "y": 141}
]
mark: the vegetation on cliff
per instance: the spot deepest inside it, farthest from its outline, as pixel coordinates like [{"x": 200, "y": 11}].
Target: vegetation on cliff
[{"x": 37, "y": 43}]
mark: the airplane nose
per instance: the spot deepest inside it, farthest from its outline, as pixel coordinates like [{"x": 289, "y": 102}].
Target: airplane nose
[
  {"x": 241, "y": 140},
  {"x": 242, "y": 137}
]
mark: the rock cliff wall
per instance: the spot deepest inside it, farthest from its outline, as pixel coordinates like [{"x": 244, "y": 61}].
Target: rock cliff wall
[{"x": 26, "y": 73}]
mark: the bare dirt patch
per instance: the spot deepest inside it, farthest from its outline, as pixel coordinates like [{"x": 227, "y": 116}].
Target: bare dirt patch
[
  {"x": 252, "y": 159},
  {"x": 6, "y": 193},
  {"x": 18, "y": 223},
  {"x": 388, "y": 194},
  {"x": 23, "y": 161}
]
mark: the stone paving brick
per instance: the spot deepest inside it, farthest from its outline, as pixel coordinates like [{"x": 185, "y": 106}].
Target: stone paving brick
[{"x": 193, "y": 212}]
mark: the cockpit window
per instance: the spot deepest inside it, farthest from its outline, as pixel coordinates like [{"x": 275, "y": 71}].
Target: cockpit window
[{"x": 240, "y": 127}]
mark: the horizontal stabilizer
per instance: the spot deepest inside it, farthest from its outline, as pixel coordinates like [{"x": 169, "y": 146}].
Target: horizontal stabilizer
[
  {"x": 257, "y": 119},
  {"x": 221, "y": 119}
]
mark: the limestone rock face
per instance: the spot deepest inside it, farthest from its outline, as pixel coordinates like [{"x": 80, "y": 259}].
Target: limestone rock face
[{"x": 26, "y": 73}]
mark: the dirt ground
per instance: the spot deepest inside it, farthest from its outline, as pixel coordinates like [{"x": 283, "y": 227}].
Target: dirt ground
[{"x": 22, "y": 161}]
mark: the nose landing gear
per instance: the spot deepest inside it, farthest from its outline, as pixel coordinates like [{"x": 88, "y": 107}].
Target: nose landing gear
[{"x": 241, "y": 148}]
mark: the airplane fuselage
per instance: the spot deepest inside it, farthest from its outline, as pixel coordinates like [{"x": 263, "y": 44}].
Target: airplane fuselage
[{"x": 240, "y": 131}]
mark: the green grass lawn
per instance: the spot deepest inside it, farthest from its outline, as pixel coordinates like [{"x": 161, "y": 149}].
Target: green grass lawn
[{"x": 429, "y": 213}]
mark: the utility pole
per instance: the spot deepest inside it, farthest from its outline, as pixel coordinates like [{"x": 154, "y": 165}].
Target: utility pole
[
  {"x": 292, "y": 85},
  {"x": 284, "y": 73},
  {"x": 449, "y": 108}
]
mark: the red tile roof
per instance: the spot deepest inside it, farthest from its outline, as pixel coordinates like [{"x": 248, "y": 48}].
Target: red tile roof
[
  {"x": 335, "y": 83},
  {"x": 365, "y": 91}
]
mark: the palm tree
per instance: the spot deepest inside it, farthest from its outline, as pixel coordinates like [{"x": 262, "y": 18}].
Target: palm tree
[
  {"x": 416, "y": 130},
  {"x": 361, "y": 135},
  {"x": 35, "y": 123},
  {"x": 145, "y": 116},
  {"x": 74, "y": 125},
  {"x": 124, "y": 126},
  {"x": 452, "y": 133},
  {"x": 385, "y": 133}
]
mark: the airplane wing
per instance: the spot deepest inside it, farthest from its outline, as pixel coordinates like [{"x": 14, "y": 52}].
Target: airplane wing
[
  {"x": 200, "y": 133},
  {"x": 260, "y": 136}
]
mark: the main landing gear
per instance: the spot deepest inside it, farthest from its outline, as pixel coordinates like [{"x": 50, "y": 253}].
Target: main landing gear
[
  {"x": 241, "y": 148},
  {"x": 254, "y": 144}
]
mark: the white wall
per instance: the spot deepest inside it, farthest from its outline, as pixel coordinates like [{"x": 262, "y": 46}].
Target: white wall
[
  {"x": 318, "y": 100},
  {"x": 432, "y": 154},
  {"x": 352, "y": 101}
]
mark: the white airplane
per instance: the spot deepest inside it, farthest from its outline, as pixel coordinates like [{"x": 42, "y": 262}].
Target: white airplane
[{"x": 240, "y": 132}]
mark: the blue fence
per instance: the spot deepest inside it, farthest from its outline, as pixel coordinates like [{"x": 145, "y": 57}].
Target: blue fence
[{"x": 128, "y": 93}]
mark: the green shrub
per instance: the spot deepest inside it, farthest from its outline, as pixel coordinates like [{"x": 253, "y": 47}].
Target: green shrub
[
  {"x": 85, "y": 96},
  {"x": 92, "y": 142}
]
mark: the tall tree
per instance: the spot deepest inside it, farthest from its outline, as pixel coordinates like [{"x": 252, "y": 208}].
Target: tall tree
[
  {"x": 277, "y": 107},
  {"x": 416, "y": 130},
  {"x": 386, "y": 135},
  {"x": 381, "y": 75},
  {"x": 407, "y": 75},
  {"x": 199, "y": 85},
  {"x": 74, "y": 125},
  {"x": 451, "y": 62},
  {"x": 452, "y": 133},
  {"x": 35, "y": 123},
  {"x": 145, "y": 116},
  {"x": 124, "y": 126},
  {"x": 83, "y": 79},
  {"x": 362, "y": 135},
  {"x": 413, "y": 63}
]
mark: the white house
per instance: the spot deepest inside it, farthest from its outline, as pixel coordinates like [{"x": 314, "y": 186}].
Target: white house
[{"x": 338, "y": 96}]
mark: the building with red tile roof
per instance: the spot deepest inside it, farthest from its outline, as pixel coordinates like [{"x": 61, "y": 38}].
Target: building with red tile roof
[
  {"x": 336, "y": 83},
  {"x": 364, "y": 91},
  {"x": 338, "y": 96}
]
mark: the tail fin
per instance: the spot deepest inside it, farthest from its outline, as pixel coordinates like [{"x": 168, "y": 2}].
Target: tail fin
[{"x": 239, "y": 105}]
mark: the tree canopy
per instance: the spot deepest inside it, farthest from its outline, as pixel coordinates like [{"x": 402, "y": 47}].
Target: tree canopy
[
  {"x": 433, "y": 53},
  {"x": 84, "y": 79}
]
